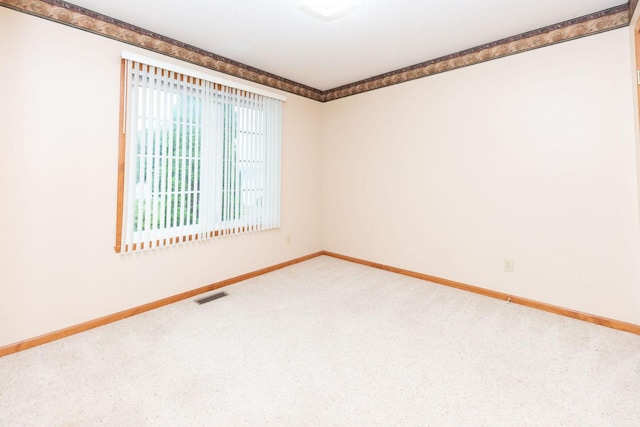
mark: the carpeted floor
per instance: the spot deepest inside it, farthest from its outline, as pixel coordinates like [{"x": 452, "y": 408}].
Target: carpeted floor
[{"x": 327, "y": 342}]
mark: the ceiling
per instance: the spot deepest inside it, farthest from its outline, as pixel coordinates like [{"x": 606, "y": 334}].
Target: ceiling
[{"x": 377, "y": 37}]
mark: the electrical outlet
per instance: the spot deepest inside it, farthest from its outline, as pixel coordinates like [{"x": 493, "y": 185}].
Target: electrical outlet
[{"x": 507, "y": 264}]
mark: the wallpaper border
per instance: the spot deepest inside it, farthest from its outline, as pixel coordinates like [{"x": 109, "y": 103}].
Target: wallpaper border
[
  {"x": 591, "y": 24},
  {"x": 68, "y": 14},
  {"x": 75, "y": 16}
]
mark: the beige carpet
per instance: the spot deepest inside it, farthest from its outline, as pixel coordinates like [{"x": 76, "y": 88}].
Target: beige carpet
[{"x": 327, "y": 342}]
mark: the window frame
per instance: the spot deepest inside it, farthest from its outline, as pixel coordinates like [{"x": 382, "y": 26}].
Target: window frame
[{"x": 188, "y": 232}]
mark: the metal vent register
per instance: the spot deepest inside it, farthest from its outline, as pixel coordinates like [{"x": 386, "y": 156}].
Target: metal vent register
[{"x": 211, "y": 297}]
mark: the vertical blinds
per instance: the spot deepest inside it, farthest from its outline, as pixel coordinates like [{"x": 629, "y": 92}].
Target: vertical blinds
[{"x": 201, "y": 159}]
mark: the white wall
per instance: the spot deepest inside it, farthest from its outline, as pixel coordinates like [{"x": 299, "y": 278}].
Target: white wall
[
  {"x": 58, "y": 174},
  {"x": 530, "y": 157}
]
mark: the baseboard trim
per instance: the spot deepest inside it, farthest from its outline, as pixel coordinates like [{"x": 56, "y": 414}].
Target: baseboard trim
[
  {"x": 72, "y": 330},
  {"x": 591, "y": 318}
]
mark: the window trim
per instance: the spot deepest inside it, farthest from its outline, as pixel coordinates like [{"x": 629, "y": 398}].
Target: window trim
[{"x": 122, "y": 142}]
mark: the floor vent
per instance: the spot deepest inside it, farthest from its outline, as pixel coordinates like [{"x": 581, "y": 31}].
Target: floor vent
[{"x": 211, "y": 297}]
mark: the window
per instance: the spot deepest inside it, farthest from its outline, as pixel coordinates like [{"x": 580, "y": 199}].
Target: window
[{"x": 198, "y": 159}]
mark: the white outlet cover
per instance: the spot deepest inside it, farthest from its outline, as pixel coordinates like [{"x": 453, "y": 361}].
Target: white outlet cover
[{"x": 508, "y": 265}]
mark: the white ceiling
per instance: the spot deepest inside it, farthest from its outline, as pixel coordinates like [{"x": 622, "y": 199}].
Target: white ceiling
[{"x": 377, "y": 37}]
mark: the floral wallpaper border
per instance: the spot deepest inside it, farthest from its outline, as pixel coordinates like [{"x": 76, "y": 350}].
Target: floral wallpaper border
[
  {"x": 77, "y": 17},
  {"x": 595, "y": 23}
]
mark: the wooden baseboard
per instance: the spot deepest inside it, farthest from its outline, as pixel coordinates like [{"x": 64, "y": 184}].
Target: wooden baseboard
[
  {"x": 52, "y": 336},
  {"x": 598, "y": 320}
]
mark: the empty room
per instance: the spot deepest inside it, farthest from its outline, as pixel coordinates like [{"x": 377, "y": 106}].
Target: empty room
[{"x": 319, "y": 212}]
